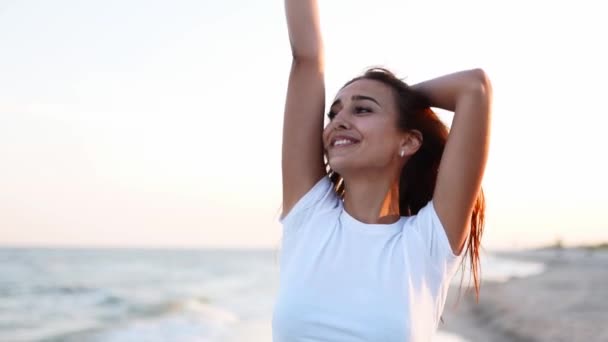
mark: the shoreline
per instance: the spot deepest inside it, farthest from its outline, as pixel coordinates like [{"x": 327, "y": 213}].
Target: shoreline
[{"x": 568, "y": 301}]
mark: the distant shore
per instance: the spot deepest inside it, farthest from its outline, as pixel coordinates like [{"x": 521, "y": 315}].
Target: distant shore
[{"x": 567, "y": 302}]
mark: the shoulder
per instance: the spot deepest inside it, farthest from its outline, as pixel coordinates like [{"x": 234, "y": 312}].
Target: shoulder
[
  {"x": 425, "y": 234},
  {"x": 319, "y": 199}
]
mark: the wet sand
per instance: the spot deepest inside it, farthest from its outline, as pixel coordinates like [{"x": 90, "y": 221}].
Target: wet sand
[{"x": 567, "y": 302}]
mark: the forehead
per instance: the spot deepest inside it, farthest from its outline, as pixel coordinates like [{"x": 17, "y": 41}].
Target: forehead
[{"x": 376, "y": 89}]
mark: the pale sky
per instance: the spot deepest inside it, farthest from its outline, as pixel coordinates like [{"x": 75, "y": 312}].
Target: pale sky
[{"x": 158, "y": 123}]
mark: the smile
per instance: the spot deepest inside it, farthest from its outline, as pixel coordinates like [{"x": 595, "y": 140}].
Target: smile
[{"x": 343, "y": 144}]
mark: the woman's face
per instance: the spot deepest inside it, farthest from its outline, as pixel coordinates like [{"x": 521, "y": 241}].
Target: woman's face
[{"x": 365, "y": 111}]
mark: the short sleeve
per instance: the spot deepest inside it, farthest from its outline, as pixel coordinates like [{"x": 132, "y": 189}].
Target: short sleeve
[
  {"x": 435, "y": 239},
  {"x": 321, "y": 197}
]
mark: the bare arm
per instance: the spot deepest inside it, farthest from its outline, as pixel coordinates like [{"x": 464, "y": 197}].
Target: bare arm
[
  {"x": 302, "y": 150},
  {"x": 469, "y": 95}
]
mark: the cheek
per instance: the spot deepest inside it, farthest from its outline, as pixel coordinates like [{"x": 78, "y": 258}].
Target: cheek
[
  {"x": 380, "y": 141},
  {"x": 375, "y": 134},
  {"x": 324, "y": 136},
  {"x": 325, "y": 130}
]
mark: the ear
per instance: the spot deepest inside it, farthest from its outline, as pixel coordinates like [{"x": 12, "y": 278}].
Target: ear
[{"x": 411, "y": 142}]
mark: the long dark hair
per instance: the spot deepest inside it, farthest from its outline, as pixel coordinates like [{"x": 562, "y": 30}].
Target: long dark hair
[{"x": 419, "y": 175}]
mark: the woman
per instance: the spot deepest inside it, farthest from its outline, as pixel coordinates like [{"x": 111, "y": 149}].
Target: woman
[{"x": 372, "y": 239}]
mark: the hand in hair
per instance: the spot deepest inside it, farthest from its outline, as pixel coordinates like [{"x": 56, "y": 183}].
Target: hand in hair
[{"x": 469, "y": 95}]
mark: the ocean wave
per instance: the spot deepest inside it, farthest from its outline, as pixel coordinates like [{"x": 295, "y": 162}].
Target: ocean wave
[
  {"x": 179, "y": 320},
  {"x": 182, "y": 320},
  {"x": 501, "y": 269},
  {"x": 200, "y": 306}
]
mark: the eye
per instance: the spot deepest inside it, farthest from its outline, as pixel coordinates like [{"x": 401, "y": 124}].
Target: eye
[
  {"x": 360, "y": 109},
  {"x": 331, "y": 115}
]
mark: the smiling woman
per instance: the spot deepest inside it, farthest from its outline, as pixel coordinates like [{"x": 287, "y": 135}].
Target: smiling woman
[{"x": 373, "y": 235}]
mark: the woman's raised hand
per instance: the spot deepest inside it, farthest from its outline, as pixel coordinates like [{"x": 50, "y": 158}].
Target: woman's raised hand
[{"x": 302, "y": 151}]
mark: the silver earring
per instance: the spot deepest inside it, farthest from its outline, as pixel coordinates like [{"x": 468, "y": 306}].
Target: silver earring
[{"x": 402, "y": 153}]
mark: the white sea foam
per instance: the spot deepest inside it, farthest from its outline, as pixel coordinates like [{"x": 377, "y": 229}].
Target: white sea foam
[
  {"x": 447, "y": 337},
  {"x": 501, "y": 269}
]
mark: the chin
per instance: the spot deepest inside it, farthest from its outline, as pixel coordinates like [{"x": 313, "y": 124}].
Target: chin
[{"x": 340, "y": 165}]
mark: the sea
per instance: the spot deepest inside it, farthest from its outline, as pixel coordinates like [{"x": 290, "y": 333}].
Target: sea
[{"x": 178, "y": 295}]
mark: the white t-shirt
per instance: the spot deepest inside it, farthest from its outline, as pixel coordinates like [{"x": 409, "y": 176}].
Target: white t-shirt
[{"x": 342, "y": 280}]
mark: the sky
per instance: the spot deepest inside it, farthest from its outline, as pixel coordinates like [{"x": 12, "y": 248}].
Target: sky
[{"x": 158, "y": 123}]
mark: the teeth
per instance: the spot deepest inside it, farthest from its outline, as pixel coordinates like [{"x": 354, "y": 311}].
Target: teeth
[{"x": 343, "y": 142}]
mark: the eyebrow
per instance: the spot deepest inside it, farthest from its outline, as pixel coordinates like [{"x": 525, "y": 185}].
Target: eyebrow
[{"x": 357, "y": 98}]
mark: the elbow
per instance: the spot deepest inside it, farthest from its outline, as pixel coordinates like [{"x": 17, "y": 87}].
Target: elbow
[
  {"x": 306, "y": 58},
  {"x": 481, "y": 81},
  {"x": 477, "y": 83},
  {"x": 478, "y": 88},
  {"x": 308, "y": 61},
  {"x": 307, "y": 53}
]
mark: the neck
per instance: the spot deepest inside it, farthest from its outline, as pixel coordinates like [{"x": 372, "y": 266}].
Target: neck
[{"x": 372, "y": 199}]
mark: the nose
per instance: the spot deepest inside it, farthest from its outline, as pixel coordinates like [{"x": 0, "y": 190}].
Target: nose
[
  {"x": 336, "y": 124},
  {"x": 339, "y": 121}
]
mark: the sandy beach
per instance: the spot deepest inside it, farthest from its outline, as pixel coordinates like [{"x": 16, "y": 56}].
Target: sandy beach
[{"x": 566, "y": 302}]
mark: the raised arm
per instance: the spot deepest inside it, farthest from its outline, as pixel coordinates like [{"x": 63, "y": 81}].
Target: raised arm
[
  {"x": 469, "y": 95},
  {"x": 302, "y": 151}
]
